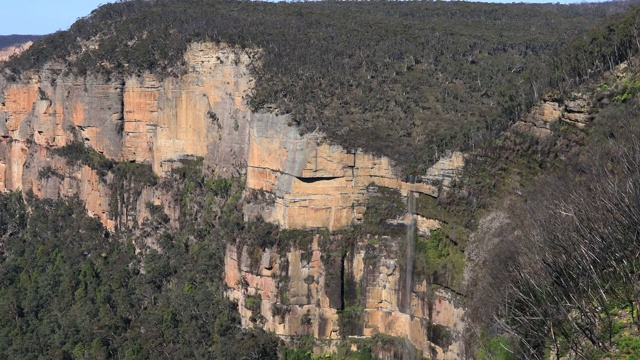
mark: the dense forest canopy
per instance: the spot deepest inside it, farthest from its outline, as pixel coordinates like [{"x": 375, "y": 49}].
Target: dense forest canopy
[
  {"x": 403, "y": 79},
  {"x": 70, "y": 289}
]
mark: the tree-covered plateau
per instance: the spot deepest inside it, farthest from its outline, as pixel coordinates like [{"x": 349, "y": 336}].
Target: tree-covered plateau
[{"x": 408, "y": 80}]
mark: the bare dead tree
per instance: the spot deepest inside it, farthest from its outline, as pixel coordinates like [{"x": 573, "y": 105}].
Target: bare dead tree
[{"x": 569, "y": 253}]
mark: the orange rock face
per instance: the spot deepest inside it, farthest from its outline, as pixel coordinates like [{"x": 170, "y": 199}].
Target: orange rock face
[
  {"x": 576, "y": 110},
  {"x": 297, "y": 300},
  {"x": 203, "y": 114},
  {"x": 200, "y": 114},
  {"x": 142, "y": 118},
  {"x": 20, "y": 101},
  {"x": 305, "y": 292},
  {"x": 318, "y": 185}
]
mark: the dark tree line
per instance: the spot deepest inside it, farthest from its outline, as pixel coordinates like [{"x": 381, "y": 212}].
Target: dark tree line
[{"x": 601, "y": 49}]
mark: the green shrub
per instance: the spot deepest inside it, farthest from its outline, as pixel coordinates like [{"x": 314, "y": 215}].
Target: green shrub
[
  {"x": 77, "y": 153},
  {"x": 629, "y": 88},
  {"x": 496, "y": 348},
  {"x": 383, "y": 204},
  {"x": 628, "y": 347},
  {"x": 253, "y": 303},
  {"x": 296, "y": 354},
  {"x": 438, "y": 260}
]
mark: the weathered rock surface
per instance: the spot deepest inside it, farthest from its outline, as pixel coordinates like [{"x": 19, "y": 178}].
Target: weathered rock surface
[
  {"x": 203, "y": 113},
  {"x": 285, "y": 301},
  {"x": 577, "y": 110},
  {"x": 139, "y": 119},
  {"x": 142, "y": 118},
  {"x": 29, "y": 167},
  {"x": 318, "y": 185},
  {"x": 445, "y": 170},
  {"x": 300, "y": 295}
]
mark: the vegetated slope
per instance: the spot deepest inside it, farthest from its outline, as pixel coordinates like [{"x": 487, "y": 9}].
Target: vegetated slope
[
  {"x": 9, "y": 40},
  {"x": 511, "y": 160},
  {"x": 560, "y": 263},
  {"x": 403, "y": 79},
  {"x": 72, "y": 290}
]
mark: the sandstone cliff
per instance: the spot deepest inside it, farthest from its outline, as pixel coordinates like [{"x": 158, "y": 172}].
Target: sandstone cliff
[
  {"x": 203, "y": 113},
  {"x": 139, "y": 119},
  {"x": 304, "y": 291},
  {"x": 577, "y": 111},
  {"x": 306, "y": 183},
  {"x": 318, "y": 185}
]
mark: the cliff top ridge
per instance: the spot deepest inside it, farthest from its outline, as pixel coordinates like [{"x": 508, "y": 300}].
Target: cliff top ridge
[{"x": 406, "y": 80}]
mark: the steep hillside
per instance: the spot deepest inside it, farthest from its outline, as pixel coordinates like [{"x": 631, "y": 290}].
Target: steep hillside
[
  {"x": 408, "y": 81},
  {"x": 308, "y": 168}
]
